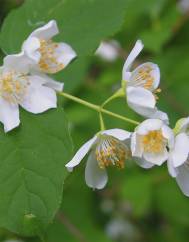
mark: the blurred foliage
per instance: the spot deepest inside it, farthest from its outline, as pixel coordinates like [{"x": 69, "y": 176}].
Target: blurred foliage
[{"x": 147, "y": 204}]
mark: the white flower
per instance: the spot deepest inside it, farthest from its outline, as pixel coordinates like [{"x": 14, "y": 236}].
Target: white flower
[
  {"x": 108, "y": 50},
  {"x": 106, "y": 148},
  {"x": 17, "y": 87},
  {"x": 178, "y": 162},
  {"x": 142, "y": 85},
  {"x": 46, "y": 55},
  {"x": 183, "y": 6},
  {"x": 151, "y": 142}
]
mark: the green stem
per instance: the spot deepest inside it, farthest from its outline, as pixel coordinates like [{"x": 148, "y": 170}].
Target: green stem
[
  {"x": 102, "y": 126},
  {"x": 119, "y": 93},
  {"x": 97, "y": 108}
]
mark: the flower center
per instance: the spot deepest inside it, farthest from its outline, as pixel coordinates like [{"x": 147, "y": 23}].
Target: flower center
[
  {"x": 49, "y": 57},
  {"x": 13, "y": 86},
  {"x": 153, "y": 142},
  {"x": 144, "y": 78},
  {"x": 111, "y": 151}
]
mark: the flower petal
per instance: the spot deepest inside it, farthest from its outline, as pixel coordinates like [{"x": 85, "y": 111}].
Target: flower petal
[
  {"x": 108, "y": 50},
  {"x": 172, "y": 170},
  {"x": 31, "y": 48},
  {"x": 118, "y": 133},
  {"x": 169, "y": 135},
  {"x": 80, "y": 154},
  {"x": 18, "y": 62},
  {"x": 132, "y": 56},
  {"x": 181, "y": 150},
  {"x": 136, "y": 148},
  {"x": 143, "y": 163},
  {"x": 149, "y": 125},
  {"x": 9, "y": 115},
  {"x": 184, "y": 125},
  {"x": 38, "y": 98},
  {"x": 156, "y": 158},
  {"x": 95, "y": 177},
  {"x": 47, "y": 31},
  {"x": 183, "y": 179},
  {"x": 49, "y": 82},
  {"x": 146, "y": 75},
  {"x": 157, "y": 114},
  {"x": 64, "y": 53},
  {"x": 141, "y": 100}
]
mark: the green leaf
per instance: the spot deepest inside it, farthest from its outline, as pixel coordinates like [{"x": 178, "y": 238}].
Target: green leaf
[
  {"x": 78, "y": 219},
  {"x": 75, "y": 75},
  {"x": 32, "y": 161},
  {"x": 82, "y": 23}
]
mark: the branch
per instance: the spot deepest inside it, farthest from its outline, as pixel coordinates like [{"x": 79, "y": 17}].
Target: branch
[{"x": 71, "y": 227}]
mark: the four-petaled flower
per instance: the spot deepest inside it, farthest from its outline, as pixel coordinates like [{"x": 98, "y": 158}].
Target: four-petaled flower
[
  {"x": 142, "y": 85},
  {"x": 107, "y": 148},
  {"x": 46, "y": 55},
  {"x": 151, "y": 142},
  {"x": 178, "y": 162},
  {"x": 19, "y": 87}
]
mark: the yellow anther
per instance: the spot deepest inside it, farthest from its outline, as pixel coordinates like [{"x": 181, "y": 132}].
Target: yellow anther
[
  {"x": 153, "y": 141},
  {"x": 48, "y": 62},
  {"x": 111, "y": 151}
]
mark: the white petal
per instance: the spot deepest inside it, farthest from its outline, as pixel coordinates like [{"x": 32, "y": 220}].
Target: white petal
[
  {"x": 18, "y": 62},
  {"x": 9, "y": 115},
  {"x": 183, "y": 179},
  {"x": 118, "y": 133},
  {"x": 95, "y": 177},
  {"x": 137, "y": 80},
  {"x": 57, "y": 86},
  {"x": 156, "y": 158},
  {"x": 141, "y": 100},
  {"x": 169, "y": 135},
  {"x": 181, "y": 150},
  {"x": 64, "y": 53},
  {"x": 38, "y": 98},
  {"x": 184, "y": 125},
  {"x": 136, "y": 148},
  {"x": 132, "y": 56},
  {"x": 80, "y": 154},
  {"x": 49, "y": 82},
  {"x": 108, "y": 50},
  {"x": 127, "y": 76},
  {"x": 157, "y": 114},
  {"x": 172, "y": 170},
  {"x": 47, "y": 31},
  {"x": 149, "y": 125},
  {"x": 31, "y": 48},
  {"x": 143, "y": 163}
]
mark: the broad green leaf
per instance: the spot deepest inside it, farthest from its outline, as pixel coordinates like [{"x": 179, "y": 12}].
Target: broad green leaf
[
  {"x": 78, "y": 219},
  {"x": 32, "y": 161},
  {"x": 74, "y": 75},
  {"x": 82, "y": 23}
]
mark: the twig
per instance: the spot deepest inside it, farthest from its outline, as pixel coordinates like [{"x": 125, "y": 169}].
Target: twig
[{"x": 71, "y": 227}]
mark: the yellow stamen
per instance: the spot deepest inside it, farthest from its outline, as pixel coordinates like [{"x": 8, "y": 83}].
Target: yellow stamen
[
  {"x": 48, "y": 62},
  {"x": 111, "y": 151},
  {"x": 153, "y": 141},
  {"x": 13, "y": 86}
]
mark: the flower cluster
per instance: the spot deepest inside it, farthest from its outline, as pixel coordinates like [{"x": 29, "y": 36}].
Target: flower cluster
[
  {"x": 152, "y": 143},
  {"x": 23, "y": 77},
  {"x": 24, "y": 81}
]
